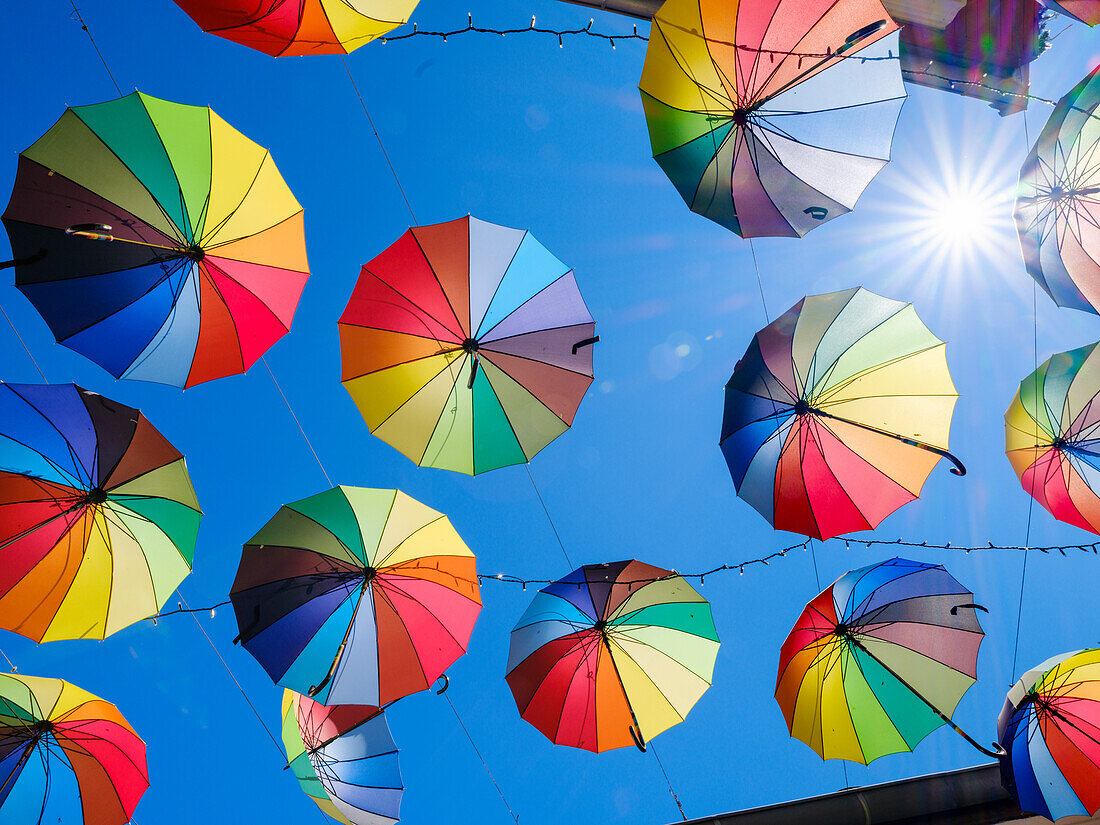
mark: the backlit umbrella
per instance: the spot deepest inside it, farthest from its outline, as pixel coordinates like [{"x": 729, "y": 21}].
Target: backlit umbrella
[
  {"x": 1086, "y": 11},
  {"x": 879, "y": 660},
  {"x": 1051, "y": 436},
  {"x": 772, "y": 117},
  {"x": 344, "y": 759},
  {"x": 466, "y": 346},
  {"x": 1058, "y": 200},
  {"x": 58, "y": 744},
  {"x": 356, "y": 596},
  {"x": 283, "y": 28},
  {"x": 156, "y": 240},
  {"x": 611, "y": 655},
  {"x": 98, "y": 518},
  {"x": 1050, "y": 726},
  {"x": 837, "y": 413}
]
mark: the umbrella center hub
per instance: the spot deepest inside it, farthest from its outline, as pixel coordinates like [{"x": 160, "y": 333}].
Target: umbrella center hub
[
  {"x": 802, "y": 407},
  {"x": 601, "y": 627},
  {"x": 97, "y": 495},
  {"x": 41, "y": 728},
  {"x": 741, "y": 115},
  {"x": 469, "y": 346},
  {"x": 369, "y": 575},
  {"x": 194, "y": 253},
  {"x": 843, "y": 631}
]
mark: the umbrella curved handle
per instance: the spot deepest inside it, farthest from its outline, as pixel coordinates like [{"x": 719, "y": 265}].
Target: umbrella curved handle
[
  {"x": 30, "y": 259},
  {"x": 955, "y": 609},
  {"x": 639, "y": 743},
  {"x": 473, "y": 373},
  {"x": 587, "y": 342},
  {"x": 446, "y": 684}
]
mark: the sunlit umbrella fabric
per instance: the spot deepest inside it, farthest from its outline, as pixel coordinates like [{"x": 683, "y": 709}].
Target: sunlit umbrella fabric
[
  {"x": 772, "y": 117},
  {"x": 156, "y": 240},
  {"x": 1052, "y": 438},
  {"x": 50, "y": 729},
  {"x": 1058, "y": 201},
  {"x": 467, "y": 346},
  {"x": 837, "y": 413},
  {"x": 356, "y": 596},
  {"x": 344, "y": 758},
  {"x": 98, "y": 518},
  {"x": 1050, "y": 726},
  {"x": 284, "y": 28},
  {"x": 609, "y": 649},
  {"x": 844, "y": 665},
  {"x": 1085, "y": 11}
]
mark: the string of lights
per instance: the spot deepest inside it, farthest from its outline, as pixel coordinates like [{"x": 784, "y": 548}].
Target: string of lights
[
  {"x": 562, "y": 34},
  {"x": 764, "y": 561}
]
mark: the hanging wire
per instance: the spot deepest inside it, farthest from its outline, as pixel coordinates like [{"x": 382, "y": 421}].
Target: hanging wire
[
  {"x": 84, "y": 26},
  {"x": 11, "y": 664},
  {"x": 378, "y": 137},
  {"x": 485, "y": 765},
  {"x": 650, "y": 747},
  {"x": 527, "y": 465},
  {"x": 294, "y": 415},
  {"x": 24, "y": 343}
]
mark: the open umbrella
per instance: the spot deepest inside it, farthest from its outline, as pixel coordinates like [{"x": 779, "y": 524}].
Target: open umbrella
[
  {"x": 356, "y": 596},
  {"x": 879, "y": 660},
  {"x": 466, "y": 346},
  {"x": 837, "y": 413},
  {"x": 284, "y": 28},
  {"x": 344, "y": 758},
  {"x": 771, "y": 117},
  {"x": 54, "y": 735},
  {"x": 1050, "y": 727},
  {"x": 611, "y": 655},
  {"x": 98, "y": 518},
  {"x": 1058, "y": 201},
  {"x": 1052, "y": 439},
  {"x": 156, "y": 240}
]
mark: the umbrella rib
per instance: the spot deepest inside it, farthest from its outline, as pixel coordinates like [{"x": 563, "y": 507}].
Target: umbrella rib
[
  {"x": 314, "y": 690},
  {"x": 484, "y": 335},
  {"x": 752, "y": 141},
  {"x": 996, "y": 754},
  {"x": 476, "y": 333},
  {"x": 438, "y": 282},
  {"x": 205, "y": 239}
]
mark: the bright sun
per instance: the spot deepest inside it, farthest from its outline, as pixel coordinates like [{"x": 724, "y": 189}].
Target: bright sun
[{"x": 964, "y": 218}]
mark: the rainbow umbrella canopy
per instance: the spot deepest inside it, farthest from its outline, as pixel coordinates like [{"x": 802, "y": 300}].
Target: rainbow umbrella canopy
[
  {"x": 1058, "y": 201},
  {"x": 1050, "y": 727},
  {"x": 356, "y": 596},
  {"x": 771, "y": 117},
  {"x": 284, "y": 28},
  {"x": 879, "y": 660},
  {"x": 837, "y": 413},
  {"x": 156, "y": 240},
  {"x": 98, "y": 518},
  {"x": 467, "y": 346},
  {"x": 61, "y": 747},
  {"x": 611, "y": 655},
  {"x": 1051, "y": 436},
  {"x": 344, "y": 758}
]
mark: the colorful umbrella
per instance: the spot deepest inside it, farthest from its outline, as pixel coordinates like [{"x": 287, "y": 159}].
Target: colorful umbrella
[
  {"x": 466, "y": 346},
  {"x": 1051, "y": 436},
  {"x": 877, "y": 661},
  {"x": 837, "y": 413},
  {"x": 611, "y": 655},
  {"x": 1050, "y": 727},
  {"x": 344, "y": 759},
  {"x": 201, "y": 258},
  {"x": 54, "y": 735},
  {"x": 1085, "y": 11},
  {"x": 284, "y": 28},
  {"x": 1058, "y": 201},
  {"x": 356, "y": 596},
  {"x": 772, "y": 117},
  {"x": 98, "y": 518}
]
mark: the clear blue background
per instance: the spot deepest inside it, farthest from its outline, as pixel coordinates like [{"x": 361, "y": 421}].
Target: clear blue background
[{"x": 521, "y": 132}]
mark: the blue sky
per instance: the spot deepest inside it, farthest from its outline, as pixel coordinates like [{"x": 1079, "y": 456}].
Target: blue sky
[{"x": 523, "y": 133}]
